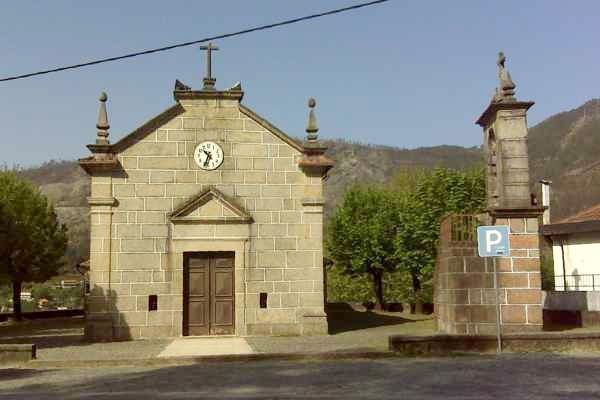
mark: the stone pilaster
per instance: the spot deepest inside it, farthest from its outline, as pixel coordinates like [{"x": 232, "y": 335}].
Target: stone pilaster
[
  {"x": 315, "y": 165},
  {"x": 99, "y": 305}
]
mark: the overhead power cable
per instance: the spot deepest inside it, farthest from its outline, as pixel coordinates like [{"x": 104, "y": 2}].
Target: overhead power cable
[{"x": 175, "y": 46}]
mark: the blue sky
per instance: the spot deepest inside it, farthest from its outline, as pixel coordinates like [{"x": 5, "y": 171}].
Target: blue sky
[{"x": 405, "y": 73}]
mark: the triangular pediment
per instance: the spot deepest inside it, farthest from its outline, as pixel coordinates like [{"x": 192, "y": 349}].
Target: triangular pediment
[
  {"x": 211, "y": 206},
  {"x": 176, "y": 110}
]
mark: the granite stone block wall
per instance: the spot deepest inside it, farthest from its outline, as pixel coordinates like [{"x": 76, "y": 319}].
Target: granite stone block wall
[{"x": 464, "y": 291}]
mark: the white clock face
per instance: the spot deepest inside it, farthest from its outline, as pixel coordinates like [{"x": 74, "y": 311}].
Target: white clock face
[{"x": 208, "y": 155}]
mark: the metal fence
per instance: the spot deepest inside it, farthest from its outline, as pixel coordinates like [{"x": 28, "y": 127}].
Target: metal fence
[
  {"x": 459, "y": 228},
  {"x": 583, "y": 282}
]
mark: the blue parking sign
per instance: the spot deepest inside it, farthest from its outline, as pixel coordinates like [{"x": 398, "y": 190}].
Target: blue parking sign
[{"x": 492, "y": 241}]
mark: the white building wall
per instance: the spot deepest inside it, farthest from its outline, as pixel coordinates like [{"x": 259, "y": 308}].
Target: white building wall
[{"x": 581, "y": 257}]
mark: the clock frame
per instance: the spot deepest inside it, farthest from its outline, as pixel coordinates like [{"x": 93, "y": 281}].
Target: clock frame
[{"x": 208, "y": 155}]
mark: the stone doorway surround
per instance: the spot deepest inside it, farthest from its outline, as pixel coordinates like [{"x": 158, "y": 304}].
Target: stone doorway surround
[
  {"x": 238, "y": 246},
  {"x": 210, "y": 222}
]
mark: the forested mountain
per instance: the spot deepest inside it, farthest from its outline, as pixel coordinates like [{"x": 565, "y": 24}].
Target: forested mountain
[{"x": 563, "y": 148}]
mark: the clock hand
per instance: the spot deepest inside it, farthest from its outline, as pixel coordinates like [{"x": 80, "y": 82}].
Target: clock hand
[{"x": 208, "y": 158}]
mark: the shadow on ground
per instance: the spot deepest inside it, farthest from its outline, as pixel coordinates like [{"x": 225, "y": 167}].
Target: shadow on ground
[
  {"x": 46, "y": 333},
  {"x": 7, "y": 374},
  {"x": 533, "y": 377},
  {"x": 341, "y": 317}
]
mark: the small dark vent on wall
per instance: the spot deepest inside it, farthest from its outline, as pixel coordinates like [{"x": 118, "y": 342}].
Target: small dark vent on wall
[
  {"x": 263, "y": 300},
  {"x": 152, "y": 302}
]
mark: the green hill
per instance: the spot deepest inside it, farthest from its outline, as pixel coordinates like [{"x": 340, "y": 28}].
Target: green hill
[{"x": 563, "y": 148}]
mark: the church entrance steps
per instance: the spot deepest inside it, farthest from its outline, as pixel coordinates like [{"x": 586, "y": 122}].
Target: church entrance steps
[{"x": 206, "y": 346}]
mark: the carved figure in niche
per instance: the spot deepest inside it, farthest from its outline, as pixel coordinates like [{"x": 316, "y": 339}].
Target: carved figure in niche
[{"x": 492, "y": 169}]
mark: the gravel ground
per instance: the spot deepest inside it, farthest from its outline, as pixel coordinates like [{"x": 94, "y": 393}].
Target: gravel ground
[
  {"x": 62, "y": 338},
  {"x": 539, "y": 376},
  {"x": 357, "y": 331}
]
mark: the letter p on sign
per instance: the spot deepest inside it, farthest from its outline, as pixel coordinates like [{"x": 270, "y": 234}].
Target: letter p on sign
[{"x": 492, "y": 241}]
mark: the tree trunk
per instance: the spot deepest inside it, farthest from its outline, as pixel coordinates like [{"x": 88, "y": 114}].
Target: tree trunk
[
  {"x": 17, "y": 300},
  {"x": 378, "y": 286},
  {"x": 417, "y": 306}
]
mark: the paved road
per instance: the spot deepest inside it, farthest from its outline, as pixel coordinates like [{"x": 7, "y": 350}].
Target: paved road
[{"x": 507, "y": 377}]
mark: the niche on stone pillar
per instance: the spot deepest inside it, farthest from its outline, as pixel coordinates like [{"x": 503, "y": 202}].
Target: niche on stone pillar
[{"x": 494, "y": 174}]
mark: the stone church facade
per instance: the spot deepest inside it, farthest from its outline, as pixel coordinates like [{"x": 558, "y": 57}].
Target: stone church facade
[{"x": 182, "y": 246}]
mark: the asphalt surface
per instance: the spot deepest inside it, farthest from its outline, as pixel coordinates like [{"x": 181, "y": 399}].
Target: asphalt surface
[{"x": 539, "y": 376}]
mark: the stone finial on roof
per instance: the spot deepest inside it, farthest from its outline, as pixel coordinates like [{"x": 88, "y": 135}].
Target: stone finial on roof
[
  {"x": 102, "y": 124},
  {"x": 314, "y": 158},
  {"x": 312, "y": 128},
  {"x": 180, "y": 86},
  {"x": 506, "y": 89},
  {"x": 237, "y": 87}
]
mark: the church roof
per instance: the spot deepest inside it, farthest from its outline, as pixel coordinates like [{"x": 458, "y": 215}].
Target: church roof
[
  {"x": 104, "y": 154},
  {"x": 271, "y": 128},
  {"x": 177, "y": 109},
  {"x": 148, "y": 127}
]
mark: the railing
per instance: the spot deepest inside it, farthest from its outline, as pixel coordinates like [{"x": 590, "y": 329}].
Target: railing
[
  {"x": 459, "y": 228},
  {"x": 583, "y": 282}
]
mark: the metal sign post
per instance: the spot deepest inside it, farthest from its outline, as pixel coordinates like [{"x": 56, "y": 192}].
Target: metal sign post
[
  {"x": 492, "y": 241},
  {"x": 498, "y": 311}
]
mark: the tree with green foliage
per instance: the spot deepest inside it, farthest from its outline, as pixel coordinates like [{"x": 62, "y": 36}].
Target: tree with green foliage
[
  {"x": 424, "y": 198},
  {"x": 360, "y": 236},
  {"x": 32, "y": 241},
  {"x": 57, "y": 296},
  {"x": 4, "y": 297}
]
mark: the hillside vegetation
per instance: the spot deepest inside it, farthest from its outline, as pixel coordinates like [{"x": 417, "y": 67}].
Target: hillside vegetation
[{"x": 563, "y": 148}]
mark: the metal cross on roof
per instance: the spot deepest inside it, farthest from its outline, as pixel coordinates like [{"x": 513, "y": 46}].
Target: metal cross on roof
[{"x": 209, "y": 81}]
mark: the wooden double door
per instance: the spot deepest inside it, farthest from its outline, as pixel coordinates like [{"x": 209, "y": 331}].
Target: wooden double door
[{"x": 208, "y": 293}]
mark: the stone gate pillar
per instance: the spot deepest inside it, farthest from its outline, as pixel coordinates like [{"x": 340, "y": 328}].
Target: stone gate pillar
[
  {"x": 464, "y": 291},
  {"x": 510, "y": 202}
]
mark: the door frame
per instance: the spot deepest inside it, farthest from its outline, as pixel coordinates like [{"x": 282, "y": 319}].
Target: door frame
[
  {"x": 185, "y": 293},
  {"x": 180, "y": 244}
]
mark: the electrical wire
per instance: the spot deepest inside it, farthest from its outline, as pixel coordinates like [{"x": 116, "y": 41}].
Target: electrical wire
[{"x": 178, "y": 45}]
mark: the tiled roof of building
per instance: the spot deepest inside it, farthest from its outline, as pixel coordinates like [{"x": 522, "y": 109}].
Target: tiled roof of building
[
  {"x": 587, "y": 220},
  {"x": 589, "y": 214}
]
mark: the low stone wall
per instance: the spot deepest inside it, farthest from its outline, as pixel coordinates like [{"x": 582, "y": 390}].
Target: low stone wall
[
  {"x": 571, "y": 309},
  {"x": 464, "y": 293},
  {"x": 511, "y": 343},
  {"x": 45, "y": 314},
  {"x": 16, "y": 353},
  {"x": 572, "y": 301}
]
